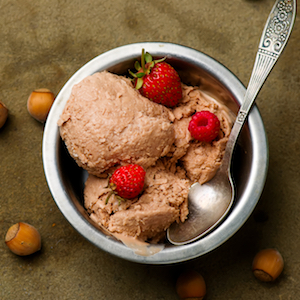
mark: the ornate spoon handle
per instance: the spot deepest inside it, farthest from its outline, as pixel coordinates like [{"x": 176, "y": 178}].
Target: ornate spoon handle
[{"x": 273, "y": 40}]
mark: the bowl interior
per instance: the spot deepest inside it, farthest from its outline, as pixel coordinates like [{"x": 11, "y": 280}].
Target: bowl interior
[
  {"x": 66, "y": 180},
  {"x": 74, "y": 177}
]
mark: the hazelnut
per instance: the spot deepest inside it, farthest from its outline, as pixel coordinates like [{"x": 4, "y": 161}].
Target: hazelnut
[
  {"x": 3, "y": 114},
  {"x": 39, "y": 104},
  {"x": 23, "y": 239},
  {"x": 267, "y": 265},
  {"x": 191, "y": 285}
]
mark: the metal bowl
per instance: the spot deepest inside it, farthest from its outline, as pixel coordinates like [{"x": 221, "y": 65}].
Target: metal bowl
[{"x": 250, "y": 163}]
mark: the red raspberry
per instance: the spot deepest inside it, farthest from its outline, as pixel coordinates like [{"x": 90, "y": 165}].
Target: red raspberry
[
  {"x": 128, "y": 181},
  {"x": 204, "y": 126}
]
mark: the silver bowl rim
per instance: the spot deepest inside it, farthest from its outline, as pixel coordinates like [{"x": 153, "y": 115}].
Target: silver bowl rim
[{"x": 175, "y": 254}]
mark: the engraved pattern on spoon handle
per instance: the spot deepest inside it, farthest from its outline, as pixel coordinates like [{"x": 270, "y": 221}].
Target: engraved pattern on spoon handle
[{"x": 273, "y": 40}]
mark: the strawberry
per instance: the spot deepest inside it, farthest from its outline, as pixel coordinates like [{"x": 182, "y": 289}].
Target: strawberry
[
  {"x": 127, "y": 182},
  {"x": 204, "y": 126},
  {"x": 157, "y": 81}
]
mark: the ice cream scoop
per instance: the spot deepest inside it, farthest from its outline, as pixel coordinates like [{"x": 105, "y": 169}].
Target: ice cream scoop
[{"x": 210, "y": 203}]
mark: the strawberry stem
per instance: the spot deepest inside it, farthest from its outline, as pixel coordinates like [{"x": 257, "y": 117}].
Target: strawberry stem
[{"x": 143, "y": 60}]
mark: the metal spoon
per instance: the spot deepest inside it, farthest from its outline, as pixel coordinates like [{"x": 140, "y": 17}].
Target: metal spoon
[{"x": 211, "y": 202}]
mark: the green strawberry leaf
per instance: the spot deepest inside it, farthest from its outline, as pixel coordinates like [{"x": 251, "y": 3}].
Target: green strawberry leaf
[
  {"x": 140, "y": 75},
  {"x": 160, "y": 60},
  {"x": 148, "y": 57},
  {"x": 151, "y": 65},
  {"x": 137, "y": 65},
  {"x": 139, "y": 83},
  {"x": 132, "y": 74}
]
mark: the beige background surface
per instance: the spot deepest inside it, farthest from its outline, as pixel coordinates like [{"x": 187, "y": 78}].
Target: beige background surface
[{"x": 42, "y": 44}]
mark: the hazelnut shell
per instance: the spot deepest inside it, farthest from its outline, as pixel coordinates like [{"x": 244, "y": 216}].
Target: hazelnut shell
[
  {"x": 191, "y": 285},
  {"x": 267, "y": 265},
  {"x": 23, "y": 239},
  {"x": 39, "y": 104}
]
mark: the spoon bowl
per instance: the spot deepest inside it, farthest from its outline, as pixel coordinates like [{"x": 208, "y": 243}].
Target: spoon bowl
[{"x": 205, "y": 215}]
